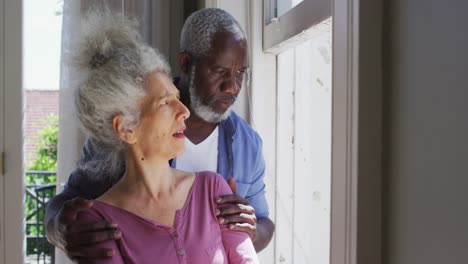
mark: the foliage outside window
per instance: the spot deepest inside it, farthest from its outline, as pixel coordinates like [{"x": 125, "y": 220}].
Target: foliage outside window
[
  {"x": 46, "y": 151},
  {"x": 41, "y": 172}
]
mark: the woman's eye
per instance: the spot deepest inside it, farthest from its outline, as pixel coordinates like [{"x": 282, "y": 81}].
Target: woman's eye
[{"x": 165, "y": 102}]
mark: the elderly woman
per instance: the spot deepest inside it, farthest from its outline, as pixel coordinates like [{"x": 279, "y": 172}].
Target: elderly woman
[{"x": 129, "y": 107}]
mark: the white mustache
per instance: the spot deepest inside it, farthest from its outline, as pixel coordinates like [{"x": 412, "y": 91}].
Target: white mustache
[{"x": 231, "y": 98}]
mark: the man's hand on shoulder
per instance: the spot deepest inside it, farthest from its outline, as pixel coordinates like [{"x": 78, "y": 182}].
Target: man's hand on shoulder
[
  {"x": 240, "y": 215},
  {"x": 237, "y": 212},
  {"x": 76, "y": 239}
]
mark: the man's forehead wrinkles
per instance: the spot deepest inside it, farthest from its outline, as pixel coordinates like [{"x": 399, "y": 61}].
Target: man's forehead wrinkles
[{"x": 225, "y": 65}]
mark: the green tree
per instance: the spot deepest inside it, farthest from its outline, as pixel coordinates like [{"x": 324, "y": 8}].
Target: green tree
[
  {"x": 46, "y": 152},
  {"x": 45, "y": 160}
]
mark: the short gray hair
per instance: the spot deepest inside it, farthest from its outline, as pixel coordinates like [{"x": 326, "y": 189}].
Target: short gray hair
[
  {"x": 200, "y": 28},
  {"x": 111, "y": 62}
]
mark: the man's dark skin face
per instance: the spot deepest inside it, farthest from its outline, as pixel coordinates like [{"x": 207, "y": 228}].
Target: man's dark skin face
[
  {"x": 219, "y": 77},
  {"x": 217, "y": 80}
]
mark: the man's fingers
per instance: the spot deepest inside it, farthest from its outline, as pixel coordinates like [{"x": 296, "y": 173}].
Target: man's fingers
[
  {"x": 231, "y": 198},
  {"x": 242, "y": 226},
  {"x": 98, "y": 226},
  {"x": 81, "y": 239},
  {"x": 238, "y": 219},
  {"x": 71, "y": 208},
  {"x": 232, "y": 184},
  {"x": 90, "y": 253},
  {"x": 249, "y": 229},
  {"x": 235, "y": 209}
]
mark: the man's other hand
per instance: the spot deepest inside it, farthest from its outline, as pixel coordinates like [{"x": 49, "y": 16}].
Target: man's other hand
[
  {"x": 76, "y": 239},
  {"x": 235, "y": 211}
]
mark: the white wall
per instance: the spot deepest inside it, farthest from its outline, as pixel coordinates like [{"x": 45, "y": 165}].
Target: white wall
[{"x": 426, "y": 128}]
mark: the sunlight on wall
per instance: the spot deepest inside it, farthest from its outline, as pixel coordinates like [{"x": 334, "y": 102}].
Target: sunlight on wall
[{"x": 304, "y": 152}]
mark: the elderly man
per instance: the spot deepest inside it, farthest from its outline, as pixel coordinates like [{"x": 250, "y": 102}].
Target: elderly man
[{"x": 213, "y": 61}]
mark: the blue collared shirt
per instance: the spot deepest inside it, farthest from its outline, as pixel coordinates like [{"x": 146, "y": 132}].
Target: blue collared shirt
[{"x": 240, "y": 156}]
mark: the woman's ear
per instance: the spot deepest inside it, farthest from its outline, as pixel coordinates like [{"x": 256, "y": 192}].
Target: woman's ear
[
  {"x": 185, "y": 62},
  {"x": 125, "y": 134}
]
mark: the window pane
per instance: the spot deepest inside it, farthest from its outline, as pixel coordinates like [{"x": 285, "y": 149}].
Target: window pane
[
  {"x": 283, "y": 6},
  {"x": 304, "y": 152}
]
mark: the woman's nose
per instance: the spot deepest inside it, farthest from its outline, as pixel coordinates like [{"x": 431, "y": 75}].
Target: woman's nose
[{"x": 184, "y": 113}]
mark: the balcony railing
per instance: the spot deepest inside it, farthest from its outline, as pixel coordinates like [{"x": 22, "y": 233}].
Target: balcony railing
[{"x": 38, "y": 195}]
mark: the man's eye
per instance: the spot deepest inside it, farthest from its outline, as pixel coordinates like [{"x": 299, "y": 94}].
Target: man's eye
[
  {"x": 220, "y": 71},
  {"x": 241, "y": 71},
  {"x": 165, "y": 102}
]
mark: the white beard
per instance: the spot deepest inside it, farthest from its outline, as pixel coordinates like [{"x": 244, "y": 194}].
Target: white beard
[{"x": 202, "y": 110}]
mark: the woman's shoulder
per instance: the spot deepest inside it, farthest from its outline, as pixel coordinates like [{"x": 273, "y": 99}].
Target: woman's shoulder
[
  {"x": 185, "y": 179},
  {"x": 95, "y": 212},
  {"x": 208, "y": 177},
  {"x": 214, "y": 181}
]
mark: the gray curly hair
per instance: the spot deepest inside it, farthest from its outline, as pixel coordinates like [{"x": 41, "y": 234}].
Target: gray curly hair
[
  {"x": 112, "y": 61},
  {"x": 200, "y": 28}
]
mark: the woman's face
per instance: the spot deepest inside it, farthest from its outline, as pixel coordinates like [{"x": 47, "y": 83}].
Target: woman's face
[{"x": 162, "y": 120}]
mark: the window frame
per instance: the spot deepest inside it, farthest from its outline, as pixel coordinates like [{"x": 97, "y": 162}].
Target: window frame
[
  {"x": 12, "y": 192},
  {"x": 301, "y": 18},
  {"x": 357, "y": 107},
  {"x": 356, "y": 207}
]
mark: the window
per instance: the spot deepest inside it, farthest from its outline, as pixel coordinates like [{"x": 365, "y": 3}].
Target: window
[
  {"x": 287, "y": 20},
  {"x": 299, "y": 34},
  {"x": 355, "y": 120},
  {"x": 304, "y": 152},
  {"x": 284, "y": 6}
]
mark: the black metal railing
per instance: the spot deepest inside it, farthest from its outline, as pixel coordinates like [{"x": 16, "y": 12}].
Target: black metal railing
[{"x": 38, "y": 195}]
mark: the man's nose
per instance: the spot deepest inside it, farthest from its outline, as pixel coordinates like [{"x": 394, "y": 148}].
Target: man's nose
[{"x": 232, "y": 84}]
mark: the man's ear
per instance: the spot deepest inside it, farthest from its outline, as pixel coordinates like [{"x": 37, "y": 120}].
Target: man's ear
[
  {"x": 127, "y": 135},
  {"x": 185, "y": 62}
]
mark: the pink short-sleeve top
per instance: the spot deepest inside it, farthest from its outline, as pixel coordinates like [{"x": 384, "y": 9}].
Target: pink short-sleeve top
[{"x": 196, "y": 236}]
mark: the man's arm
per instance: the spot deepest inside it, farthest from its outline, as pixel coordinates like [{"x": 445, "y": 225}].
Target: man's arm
[
  {"x": 77, "y": 239},
  {"x": 265, "y": 230},
  {"x": 54, "y": 206},
  {"x": 89, "y": 217}
]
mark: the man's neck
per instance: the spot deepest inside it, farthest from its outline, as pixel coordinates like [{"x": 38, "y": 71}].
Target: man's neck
[{"x": 198, "y": 129}]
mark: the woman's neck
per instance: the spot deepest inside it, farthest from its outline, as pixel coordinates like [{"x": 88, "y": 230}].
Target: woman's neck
[
  {"x": 150, "y": 177},
  {"x": 151, "y": 189}
]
